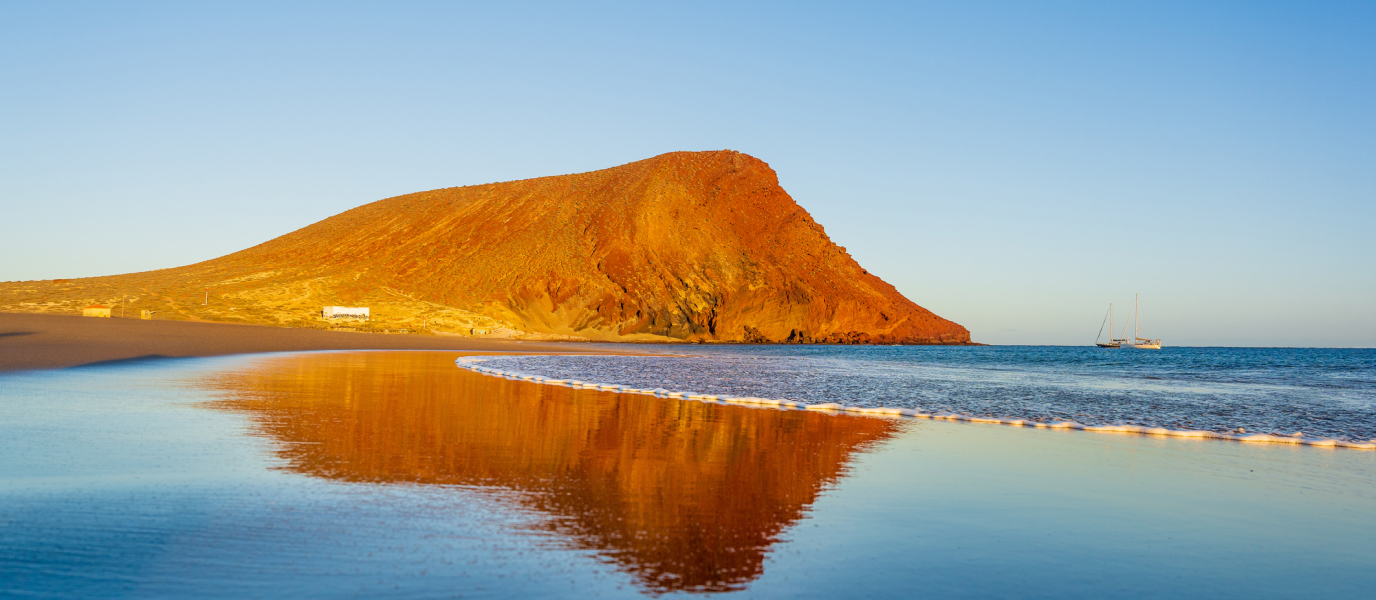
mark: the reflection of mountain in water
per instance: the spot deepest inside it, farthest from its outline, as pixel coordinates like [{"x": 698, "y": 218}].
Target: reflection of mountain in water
[{"x": 684, "y": 495}]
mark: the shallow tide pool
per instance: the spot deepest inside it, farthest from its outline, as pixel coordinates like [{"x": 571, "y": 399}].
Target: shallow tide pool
[{"x": 396, "y": 473}]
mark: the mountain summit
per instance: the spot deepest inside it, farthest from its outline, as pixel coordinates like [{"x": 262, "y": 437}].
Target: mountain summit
[{"x": 692, "y": 246}]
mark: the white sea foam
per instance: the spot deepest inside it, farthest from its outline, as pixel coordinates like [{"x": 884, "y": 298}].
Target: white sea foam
[{"x": 1297, "y": 438}]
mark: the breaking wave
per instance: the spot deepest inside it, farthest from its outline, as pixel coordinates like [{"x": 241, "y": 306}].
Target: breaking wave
[{"x": 558, "y": 366}]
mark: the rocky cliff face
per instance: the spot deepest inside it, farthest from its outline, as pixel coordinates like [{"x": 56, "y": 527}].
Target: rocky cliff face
[{"x": 686, "y": 245}]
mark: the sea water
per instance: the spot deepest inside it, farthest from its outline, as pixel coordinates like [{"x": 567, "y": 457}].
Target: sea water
[
  {"x": 1328, "y": 393},
  {"x": 397, "y": 474}
]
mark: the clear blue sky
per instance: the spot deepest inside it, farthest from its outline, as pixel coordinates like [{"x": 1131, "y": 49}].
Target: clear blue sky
[{"x": 1012, "y": 166}]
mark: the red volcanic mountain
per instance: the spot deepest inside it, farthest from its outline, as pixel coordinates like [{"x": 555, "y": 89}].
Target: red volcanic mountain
[{"x": 686, "y": 245}]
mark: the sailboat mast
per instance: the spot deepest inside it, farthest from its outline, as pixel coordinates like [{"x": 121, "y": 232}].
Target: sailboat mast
[
  {"x": 1124, "y": 334},
  {"x": 1136, "y": 330}
]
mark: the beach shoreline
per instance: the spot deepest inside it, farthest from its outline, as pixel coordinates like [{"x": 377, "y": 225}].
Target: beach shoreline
[
  {"x": 36, "y": 341},
  {"x": 472, "y": 363},
  {"x": 327, "y": 473}
]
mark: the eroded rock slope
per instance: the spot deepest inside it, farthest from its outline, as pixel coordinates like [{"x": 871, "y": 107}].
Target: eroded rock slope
[{"x": 686, "y": 245}]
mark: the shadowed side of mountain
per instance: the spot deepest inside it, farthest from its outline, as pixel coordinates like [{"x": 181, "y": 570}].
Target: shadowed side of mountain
[{"x": 699, "y": 246}]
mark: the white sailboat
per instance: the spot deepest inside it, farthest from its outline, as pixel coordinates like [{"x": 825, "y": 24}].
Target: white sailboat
[
  {"x": 1113, "y": 342},
  {"x": 1138, "y": 341}
]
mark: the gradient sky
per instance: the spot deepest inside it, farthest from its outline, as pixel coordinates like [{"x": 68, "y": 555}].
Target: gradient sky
[{"x": 1012, "y": 166}]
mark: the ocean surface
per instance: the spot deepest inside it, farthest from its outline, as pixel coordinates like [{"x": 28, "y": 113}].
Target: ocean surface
[
  {"x": 400, "y": 475},
  {"x": 1315, "y": 392}
]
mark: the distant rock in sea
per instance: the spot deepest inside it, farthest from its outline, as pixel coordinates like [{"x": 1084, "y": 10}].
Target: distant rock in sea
[{"x": 696, "y": 246}]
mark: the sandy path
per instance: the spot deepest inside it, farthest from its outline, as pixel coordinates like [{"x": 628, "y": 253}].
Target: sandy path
[{"x": 33, "y": 341}]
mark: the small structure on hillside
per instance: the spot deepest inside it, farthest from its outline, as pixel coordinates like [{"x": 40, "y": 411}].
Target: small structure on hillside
[
  {"x": 146, "y": 315},
  {"x": 345, "y": 312},
  {"x": 96, "y": 310}
]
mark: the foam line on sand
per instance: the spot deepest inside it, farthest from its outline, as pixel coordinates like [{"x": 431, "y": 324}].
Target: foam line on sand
[{"x": 471, "y": 363}]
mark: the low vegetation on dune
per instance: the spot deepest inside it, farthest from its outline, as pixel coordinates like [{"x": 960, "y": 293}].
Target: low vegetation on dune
[
  {"x": 290, "y": 303},
  {"x": 696, "y": 246}
]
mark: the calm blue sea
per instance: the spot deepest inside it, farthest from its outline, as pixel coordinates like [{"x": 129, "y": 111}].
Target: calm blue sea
[{"x": 1317, "y": 392}]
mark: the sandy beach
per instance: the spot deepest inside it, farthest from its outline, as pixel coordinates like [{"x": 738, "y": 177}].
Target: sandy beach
[{"x": 29, "y": 341}]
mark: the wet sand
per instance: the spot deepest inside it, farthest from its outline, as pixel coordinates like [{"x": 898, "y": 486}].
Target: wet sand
[
  {"x": 593, "y": 462},
  {"x": 29, "y": 341}
]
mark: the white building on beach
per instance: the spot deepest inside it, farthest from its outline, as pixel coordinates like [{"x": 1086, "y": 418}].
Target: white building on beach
[{"x": 345, "y": 312}]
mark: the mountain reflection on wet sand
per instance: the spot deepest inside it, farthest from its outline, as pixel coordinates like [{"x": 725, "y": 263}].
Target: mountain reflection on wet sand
[{"x": 685, "y": 496}]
